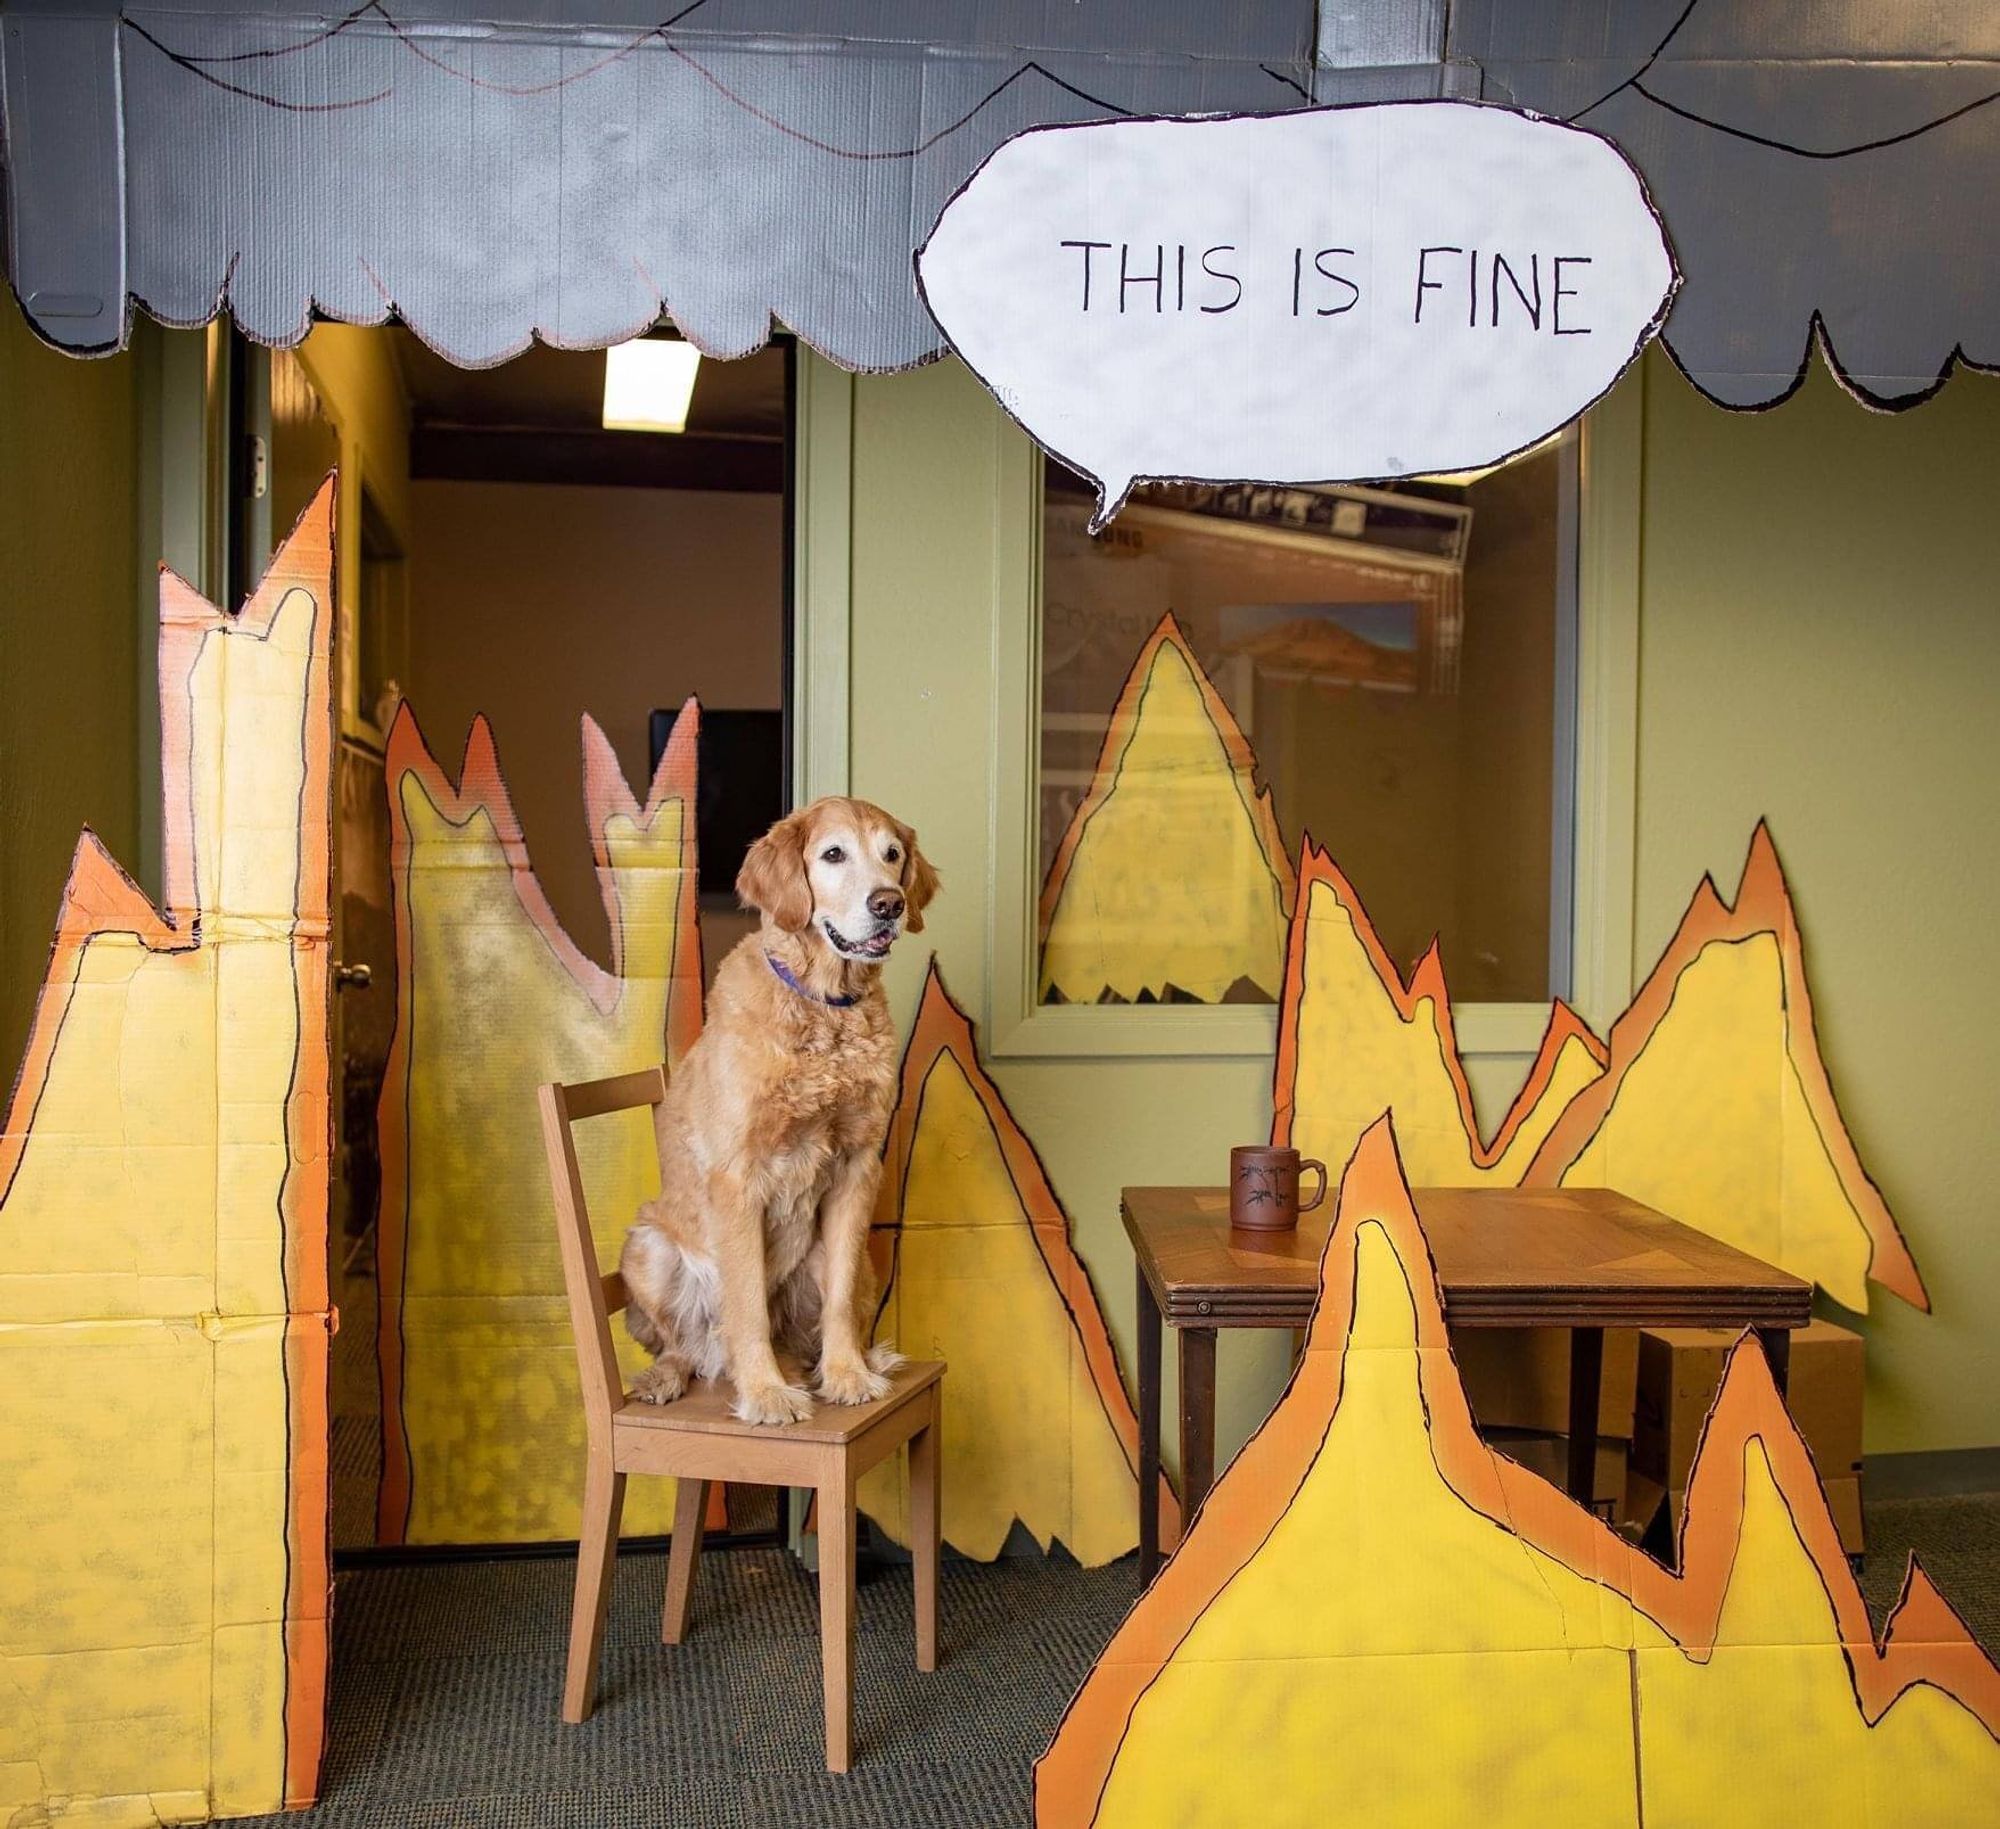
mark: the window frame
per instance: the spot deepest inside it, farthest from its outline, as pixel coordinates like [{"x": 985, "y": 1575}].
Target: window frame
[{"x": 1598, "y": 834}]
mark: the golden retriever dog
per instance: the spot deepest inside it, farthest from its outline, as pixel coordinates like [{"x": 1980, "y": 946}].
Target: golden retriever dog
[{"x": 771, "y": 1131}]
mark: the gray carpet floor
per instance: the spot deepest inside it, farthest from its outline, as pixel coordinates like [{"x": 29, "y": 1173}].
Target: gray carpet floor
[{"x": 446, "y": 1679}]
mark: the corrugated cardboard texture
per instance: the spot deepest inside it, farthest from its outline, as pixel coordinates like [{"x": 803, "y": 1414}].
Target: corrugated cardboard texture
[
  {"x": 548, "y": 177},
  {"x": 1375, "y": 1619},
  {"x": 1518, "y": 1377},
  {"x": 974, "y": 1254},
  {"x": 1547, "y": 1454},
  {"x": 1680, "y": 1370},
  {"x": 739, "y": 163},
  {"x": 1711, "y": 1102},
  {"x": 1644, "y": 1497},
  {"x": 1789, "y": 150},
  {"x": 1172, "y": 875},
  {"x": 163, "y": 1261},
  {"x": 1716, "y": 1105},
  {"x": 483, "y": 1433},
  {"x": 1354, "y": 1036}
]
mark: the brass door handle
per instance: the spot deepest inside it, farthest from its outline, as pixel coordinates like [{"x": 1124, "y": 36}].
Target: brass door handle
[{"x": 352, "y": 977}]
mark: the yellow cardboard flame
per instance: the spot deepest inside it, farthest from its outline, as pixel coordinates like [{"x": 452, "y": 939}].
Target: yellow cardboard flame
[
  {"x": 981, "y": 1274},
  {"x": 483, "y": 1423},
  {"x": 1375, "y": 1618},
  {"x": 1172, "y": 872},
  {"x": 163, "y": 1293}
]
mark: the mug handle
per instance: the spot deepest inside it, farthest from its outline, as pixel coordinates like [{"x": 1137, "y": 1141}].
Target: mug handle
[{"x": 1306, "y": 1206}]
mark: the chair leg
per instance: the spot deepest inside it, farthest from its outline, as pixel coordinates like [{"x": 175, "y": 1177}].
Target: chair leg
[
  {"x": 836, "y": 1613},
  {"x": 597, "y": 1548},
  {"x": 924, "y": 1530},
  {"x": 690, "y": 1508}
]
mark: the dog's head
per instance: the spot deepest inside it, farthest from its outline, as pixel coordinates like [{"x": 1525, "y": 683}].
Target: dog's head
[{"x": 844, "y": 874}]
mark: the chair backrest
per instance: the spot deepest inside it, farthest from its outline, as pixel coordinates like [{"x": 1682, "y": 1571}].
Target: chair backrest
[{"x": 594, "y": 1295}]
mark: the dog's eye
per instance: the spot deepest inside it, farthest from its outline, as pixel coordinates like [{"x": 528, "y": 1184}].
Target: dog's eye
[
  {"x": 892, "y": 856},
  {"x": 833, "y": 854}
]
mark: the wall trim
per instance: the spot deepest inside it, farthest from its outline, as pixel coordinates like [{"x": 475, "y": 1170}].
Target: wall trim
[
  {"x": 181, "y": 509},
  {"x": 1930, "y": 1473},
  {"x": 1607, "y": 702},
  {"x": 1605, "y": 784},
  {"x": 822, "y": 577}
]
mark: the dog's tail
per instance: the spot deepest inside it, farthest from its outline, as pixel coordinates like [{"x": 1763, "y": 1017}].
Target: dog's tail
[{"x": 885, "y": 1360}]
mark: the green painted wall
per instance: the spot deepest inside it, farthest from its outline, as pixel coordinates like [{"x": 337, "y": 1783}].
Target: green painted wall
[
  {"x": 353, "y": 370},
  {"x": 69, "y": 639},
  {"x": 926, "y": 449},
  {"x": 1820, "y": 642}
]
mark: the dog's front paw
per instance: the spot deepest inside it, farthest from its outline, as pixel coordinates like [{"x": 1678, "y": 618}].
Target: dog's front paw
[
  {"x": 773, "y": 1403},
  {"x": 660, "y": 1383},
  {"x": 851, "y": 1381}
]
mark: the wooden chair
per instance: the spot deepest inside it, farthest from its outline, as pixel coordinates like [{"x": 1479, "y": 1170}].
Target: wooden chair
[{"x": 697, "y": 1440}]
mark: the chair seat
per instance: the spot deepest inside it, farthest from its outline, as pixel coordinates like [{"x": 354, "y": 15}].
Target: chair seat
[
  {"x": 704, "y": 1409},
  {"x": 695, "y": 1441}
]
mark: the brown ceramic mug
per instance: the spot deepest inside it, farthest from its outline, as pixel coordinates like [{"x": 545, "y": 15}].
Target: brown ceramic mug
[{"x": 1264, "y": 1188}]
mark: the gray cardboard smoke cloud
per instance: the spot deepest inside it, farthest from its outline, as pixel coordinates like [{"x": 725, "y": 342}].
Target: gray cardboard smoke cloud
[
  {"x": 496, "y": 174},
  {"x": 730, "y": 161}
]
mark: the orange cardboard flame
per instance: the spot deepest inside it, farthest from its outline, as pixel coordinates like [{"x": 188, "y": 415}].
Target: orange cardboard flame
[
  {"x": 1104, "y": 778},
  {"x": 978, "y": 1269},
  {"x": 222, "y": 887},
  {"x": 481, "y": 788},
  {"x": 1708, "y": 932},
  {"x": 1548, "y": 1658},
  {"x": 1120, "y": 927},
  {"x": 1425, "y": 1003}
]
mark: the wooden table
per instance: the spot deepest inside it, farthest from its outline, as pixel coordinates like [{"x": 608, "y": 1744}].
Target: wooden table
[{"x": 1575, "y": 1258}]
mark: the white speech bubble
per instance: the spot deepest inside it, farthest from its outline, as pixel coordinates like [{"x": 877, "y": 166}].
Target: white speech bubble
[{"x": 1331, "y": 295}]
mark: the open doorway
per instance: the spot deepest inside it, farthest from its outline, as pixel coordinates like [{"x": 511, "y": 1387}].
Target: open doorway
[{"x": 509, "y": 556}]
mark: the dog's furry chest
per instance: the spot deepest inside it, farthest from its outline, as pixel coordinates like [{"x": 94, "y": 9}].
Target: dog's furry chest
[
  {"x": 832, "y": 1103},
  {"x": 818, "y": 1114}
]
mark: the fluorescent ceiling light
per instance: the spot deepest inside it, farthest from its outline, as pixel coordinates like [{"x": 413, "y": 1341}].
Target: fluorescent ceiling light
[{"x": 648, "y": 384}]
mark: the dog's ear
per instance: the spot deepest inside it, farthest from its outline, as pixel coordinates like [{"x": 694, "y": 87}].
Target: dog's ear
[
  {"x": 920, "y": 880},
  {"x": 773, "y": 877}
]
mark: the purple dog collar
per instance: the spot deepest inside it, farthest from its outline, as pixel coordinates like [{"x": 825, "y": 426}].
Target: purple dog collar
[{"x": 785, "y": 974}]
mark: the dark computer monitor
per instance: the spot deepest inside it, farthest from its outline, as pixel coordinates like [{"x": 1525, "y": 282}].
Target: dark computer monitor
[{"x": 740, "y": 785}]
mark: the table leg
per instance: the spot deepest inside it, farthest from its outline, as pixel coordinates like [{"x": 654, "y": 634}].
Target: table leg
[
  {"x": 1586, "y": 1375},
  {"x": 1149, "y": 1432},
  {"x": 1197, "y": 1419},
  {"x": 1777, "y": 1345}
]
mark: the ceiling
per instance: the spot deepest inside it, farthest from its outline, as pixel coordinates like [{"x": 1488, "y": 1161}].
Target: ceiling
[{"x": 537, "y": 418}]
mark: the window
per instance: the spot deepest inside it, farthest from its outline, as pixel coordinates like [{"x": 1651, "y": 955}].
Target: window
[{"x": 1226, "y": 670}]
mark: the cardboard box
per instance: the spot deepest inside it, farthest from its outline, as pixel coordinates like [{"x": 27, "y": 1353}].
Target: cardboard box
[
  {"x": 1518, "y": 1378},
  {"x": 1681, "y": 1367},
  {"x": 1548, "y": 1455}
]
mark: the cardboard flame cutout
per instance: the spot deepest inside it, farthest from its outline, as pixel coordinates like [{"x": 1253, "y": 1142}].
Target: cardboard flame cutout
[
  {"x": 482, "y": 1425},
  {"x": 1384, "y": 1621},
  {"x": 1719, "y": 1046},
  {"x": 980, "y": 1273},
  {"x": 1176, "y": 780},
  {"x": 163, "y": 1257},
  {"x": 1353, "y": 1037},
  {"x": 1711, "y": 1103}
]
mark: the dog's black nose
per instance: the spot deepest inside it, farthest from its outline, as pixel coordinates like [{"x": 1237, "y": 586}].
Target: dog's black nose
[{"x": 886, "y": 904}]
